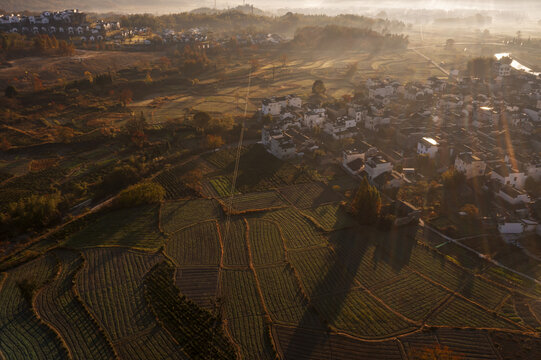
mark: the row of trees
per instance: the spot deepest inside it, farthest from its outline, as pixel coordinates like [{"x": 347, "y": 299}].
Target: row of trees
[
  {"x": 335, "y": 36},
  {"x": 16, "y": 45}
]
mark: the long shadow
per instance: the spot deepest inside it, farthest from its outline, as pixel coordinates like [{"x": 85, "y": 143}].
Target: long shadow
[{"x": 350, "y": 246}]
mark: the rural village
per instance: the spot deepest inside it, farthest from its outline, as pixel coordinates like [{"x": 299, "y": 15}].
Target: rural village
[{"x": 243, "y": 184}]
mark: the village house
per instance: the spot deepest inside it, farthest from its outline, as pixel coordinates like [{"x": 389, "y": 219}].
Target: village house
[
  {"x": 503, "y": 174},
  {"x": 377, "y": 165},
  {"x": 470, "y": 165},
  {"x": 273, "y": 106},
  {"x": 513, "y": 196},
  {"x": 428, "y": 146},
  {"x": 314, "y": 117}
]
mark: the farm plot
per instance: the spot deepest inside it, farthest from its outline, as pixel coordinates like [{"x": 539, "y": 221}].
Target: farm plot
[
  {"x": 59, "y": 305},
  {"x": 154, "y": 344},
  {"x": 284, "y": 298},
  {"x": 463, "y": 256},
  {"x": 234, "y": 242},
  {"x": 266, "y": 244},
  {"x": 297, "y": 230},
  {"x": 321, "y": 272},
  {"x": 344, "y": 347},
  {"x": 198, "y": 284},
  {"x": 411, "y": 295},
  {"x": 330, "y": 217},
  {"x": 512, "y": 280},
  {"x": 177, "y": 215},
  {"x": 260, "y": 171},
  {"x": 483, "y": 292},
  {"x": 223, "y": 158},
  {"x": 22, "y": 334},
  {"x": 245, "y": 314},
  {"x": 198, "y": 244},
  {"x": 372, "y": 263},
  {"x": 454, "y": 314},
  {"x": 173, "y": 183},
  {"x": 252, "y": 335},
  {"x": 418, "y": 344},
  {"x": 359, "y": 314},
  {"x": 304, "y": 196},
  {"x": 134, "y": 227},
  {"x": 258, "y": 201},
  {"x": 438, "y": 268},
  {"x": 507, "y": 345},
  {"x": 222, "y": 186},
  {"x": 111, "y": 286},
  {"x": 468, "y": 344},
  {"x": 193, "y": 328},
  {"x": 302, "y": 344}
]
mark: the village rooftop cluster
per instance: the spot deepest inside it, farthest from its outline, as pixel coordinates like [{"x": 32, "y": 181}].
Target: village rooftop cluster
[{"x": 493, "y": 139}]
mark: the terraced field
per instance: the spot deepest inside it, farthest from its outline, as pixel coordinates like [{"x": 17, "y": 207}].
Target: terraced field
[
  {"x": 135, "y": 227},
  {"x": 177, "y": 215},
  {"x": 285, "y": 283},
  {"x": 22, "y": 334}
]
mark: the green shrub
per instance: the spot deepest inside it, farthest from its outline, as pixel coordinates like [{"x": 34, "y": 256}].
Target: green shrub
[{"x": 140, "y": 194}]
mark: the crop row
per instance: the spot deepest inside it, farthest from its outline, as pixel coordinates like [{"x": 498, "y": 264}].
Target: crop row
[
  {"x": 411, "y": 295},
  {"x": 110, "y": 285},
  {"x": 198, "y": 244},
  {"x": 245, "y": 314},
  {"x": 59, "y": 305},
  {"x": 371, "y": 262},
  {"x": 461, "y": 313},
  {"x": 331, "y": 217},
  {"x": 356, "y": 312},
  {"x": 22, "y": 334},
  {"x": 234, "y": 242},
  {"x": 284, "y": 298},
  {"x": 253, "y": 202},
  {"x": 174, "y": 185},
  {"x": 177, "y": 215},
  {"x": 321, "y": 272},
  {"x": 194, "y": 329},
  {"x": 297, "y": 230},
  {"x": 266, "y": 244},
  {"x": 134, "y": 227},
  {"x": 222, "y": 185},
  {"x": 309, "y": 195},
  {"x": 198, "y": 284}
]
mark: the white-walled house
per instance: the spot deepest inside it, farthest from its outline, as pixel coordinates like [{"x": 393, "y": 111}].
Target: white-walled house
[
  {"x": 428, "y": 146},
  {"x": 377, "y": 165},
  {"x": 513, "y": 195},
  {"x": 282, "y": 147},
  {"x": 506, "y": 176},
  {"x": 470, "y": 165},
  {"x": 314, "y": 117},
  {"x": 275, "y": 105},
  {"x": 534, "y": 170}
]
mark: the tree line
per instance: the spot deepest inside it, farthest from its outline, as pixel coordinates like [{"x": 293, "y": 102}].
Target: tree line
[{"x": 17, "y": 45}]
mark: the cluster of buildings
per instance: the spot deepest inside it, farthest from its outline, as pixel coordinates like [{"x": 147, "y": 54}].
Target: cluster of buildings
[
  {"x": 488, "y": 130},
  {"x": 66, "y": 23}
]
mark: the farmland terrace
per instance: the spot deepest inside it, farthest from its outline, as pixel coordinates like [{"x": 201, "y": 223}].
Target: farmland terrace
[{"x": 277, "y": 270}]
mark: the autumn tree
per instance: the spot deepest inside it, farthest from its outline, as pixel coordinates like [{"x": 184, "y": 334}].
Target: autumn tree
[
  {"x": 318, "y": 87},
  {"x": 126, "y": 96},
  {"x": 435, "y": 352},
  {"x": 212, "y": 141},
  {"x": 201, "y": 120},
  {"x": 366, "y": 204},
  {"x": 136, "y": 129},
  {"x": 140, "y": 194}
]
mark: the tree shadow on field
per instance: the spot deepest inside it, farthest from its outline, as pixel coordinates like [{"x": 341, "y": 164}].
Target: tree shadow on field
[{"x": 351, "y": 245}]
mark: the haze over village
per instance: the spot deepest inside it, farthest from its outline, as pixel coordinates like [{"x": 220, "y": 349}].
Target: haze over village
[{"x": 270, "y": 180}]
